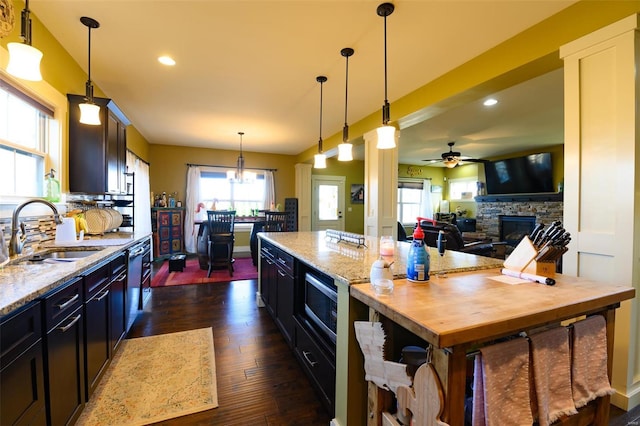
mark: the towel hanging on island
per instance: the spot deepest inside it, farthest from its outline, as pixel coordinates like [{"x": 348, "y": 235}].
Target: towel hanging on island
[
  {"x": 503, "y": 388},
  {"x": 551, "y": 362},
  {"x": 589, "y": 364}
]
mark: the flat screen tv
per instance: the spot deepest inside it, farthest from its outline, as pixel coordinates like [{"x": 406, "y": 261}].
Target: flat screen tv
[{"x": 520, "y": 175}]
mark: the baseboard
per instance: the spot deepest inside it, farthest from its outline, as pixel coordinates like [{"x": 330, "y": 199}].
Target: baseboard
[{"x": 626, "y": 402}]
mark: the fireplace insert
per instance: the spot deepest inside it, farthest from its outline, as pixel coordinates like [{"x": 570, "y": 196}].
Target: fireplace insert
[{"x": 514, "y": 228}]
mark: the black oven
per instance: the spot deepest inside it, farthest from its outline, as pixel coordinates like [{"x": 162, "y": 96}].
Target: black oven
[{"x": 321, "y": 305}]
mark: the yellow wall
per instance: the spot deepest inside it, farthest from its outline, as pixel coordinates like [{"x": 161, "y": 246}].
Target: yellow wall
[
  {"x": 168, "y": 168},
  {"x": 353, "y": 171},
  {"x": 62, "y": 72}
]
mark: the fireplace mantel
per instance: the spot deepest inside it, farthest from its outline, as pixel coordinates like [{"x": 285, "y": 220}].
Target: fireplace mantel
[{"x": 505, "y": 198}]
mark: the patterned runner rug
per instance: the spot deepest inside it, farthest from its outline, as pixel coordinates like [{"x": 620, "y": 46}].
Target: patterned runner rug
[{"x": 156, "y": 378}]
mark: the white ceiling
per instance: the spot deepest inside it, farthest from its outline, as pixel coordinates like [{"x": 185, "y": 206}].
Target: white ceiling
[{"x": 251, "y": 65}]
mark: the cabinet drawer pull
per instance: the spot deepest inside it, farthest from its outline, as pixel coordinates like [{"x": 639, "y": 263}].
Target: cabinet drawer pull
[
  {"x": 282, "y": 274},
  {"x": 64, "y": 328},
  {"x": 121, "y": 277},
  {"x": 64, "y": 305},
  {"x": 102, "y": 296},
  {"x": 306, "y": 356},
  {"x": 268, "y": 261}
]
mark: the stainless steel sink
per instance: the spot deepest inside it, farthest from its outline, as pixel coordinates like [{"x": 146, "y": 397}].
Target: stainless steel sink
[{"x": 58, "y": 255}]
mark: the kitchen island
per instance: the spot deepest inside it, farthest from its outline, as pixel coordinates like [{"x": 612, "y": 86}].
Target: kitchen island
[
  {"x": 464, "y": 311},
  {"x": 347, "y": 264}
]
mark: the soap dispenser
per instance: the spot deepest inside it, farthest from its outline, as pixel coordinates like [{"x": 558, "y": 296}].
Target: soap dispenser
[
  {"x": 52, "y": 187},
  {"x": 418, "y": 259}
]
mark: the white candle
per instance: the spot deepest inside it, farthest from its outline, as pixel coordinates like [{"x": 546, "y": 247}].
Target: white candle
[{"x": 387, "y": 245}]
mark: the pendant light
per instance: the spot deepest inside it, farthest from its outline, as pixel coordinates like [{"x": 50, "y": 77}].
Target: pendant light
[
  {"x": 345, "y": 149},
  {"x": 24, "y": 59},
  {"x": 240, "y": 175},
  {"x": 89, "y": 111},
  {"x": 320, "y": 159},
  {"x": 386, "y": 133}
]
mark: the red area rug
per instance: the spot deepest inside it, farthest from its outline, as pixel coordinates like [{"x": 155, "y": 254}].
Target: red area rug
[{"x": 192, "y": 274}]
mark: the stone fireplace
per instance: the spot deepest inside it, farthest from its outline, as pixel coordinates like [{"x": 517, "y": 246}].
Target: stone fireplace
[{"x": 539, "y": 208}]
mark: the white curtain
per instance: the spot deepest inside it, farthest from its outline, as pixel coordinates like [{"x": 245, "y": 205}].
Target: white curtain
[
  {"x": 192, "y": 200},
  {"x": 270, "y": 190},
  {"x": 142, "y": 196},
  {"x": 426, "y": 203}
]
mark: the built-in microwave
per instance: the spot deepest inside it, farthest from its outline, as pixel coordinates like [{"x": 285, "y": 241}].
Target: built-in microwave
[{"x": 321, "y": 305}]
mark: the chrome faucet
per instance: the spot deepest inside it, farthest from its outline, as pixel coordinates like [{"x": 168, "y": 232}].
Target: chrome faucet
[{"x": 16, "y": 244}]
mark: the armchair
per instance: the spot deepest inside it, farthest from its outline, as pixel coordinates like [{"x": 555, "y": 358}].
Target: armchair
[{"x": 455, "y": 241}]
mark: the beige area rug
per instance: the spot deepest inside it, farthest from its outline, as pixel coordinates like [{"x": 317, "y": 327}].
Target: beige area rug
[{"x": 156, "y": 378}]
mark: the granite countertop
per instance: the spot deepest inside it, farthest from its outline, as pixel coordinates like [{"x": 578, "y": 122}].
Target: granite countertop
[
  {"x": 351, "y": 264},
  {"x": 22, "y": 282}
]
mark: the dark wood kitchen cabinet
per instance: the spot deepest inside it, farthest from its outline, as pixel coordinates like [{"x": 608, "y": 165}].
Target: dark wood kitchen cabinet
[
  {"x": 97, "y": 154},
  {"x": 22, "y": 398},
  {"x": 97, "y": 327},
  {"x": 278, "y": 287},
  {"x": 64, "y": 353},
  {"x": 118, "y": 290}
]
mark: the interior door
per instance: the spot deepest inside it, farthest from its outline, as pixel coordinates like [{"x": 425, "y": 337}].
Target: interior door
[{"x": 327, "y": 203}]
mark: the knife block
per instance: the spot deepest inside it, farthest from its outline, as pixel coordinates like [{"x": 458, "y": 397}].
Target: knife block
[{"x": 522, "y": 259}]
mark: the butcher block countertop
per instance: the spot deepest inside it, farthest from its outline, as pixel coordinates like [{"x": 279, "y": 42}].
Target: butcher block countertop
[{"x": 473, "y": 306}]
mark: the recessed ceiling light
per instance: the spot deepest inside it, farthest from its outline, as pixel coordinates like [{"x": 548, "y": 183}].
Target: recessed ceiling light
[
  {"x": 166, "y": 60},
  {"x": 490, "y": 102}
]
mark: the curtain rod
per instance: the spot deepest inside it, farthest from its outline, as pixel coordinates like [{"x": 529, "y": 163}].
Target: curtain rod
[
  {"x": 230, "y": 167},
  {"x": 138, "y": 157}
]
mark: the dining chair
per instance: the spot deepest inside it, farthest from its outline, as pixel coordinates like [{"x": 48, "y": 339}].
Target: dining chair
[
  {"x": 275, "y": 221},
  {"x": 221, "y": 239}
]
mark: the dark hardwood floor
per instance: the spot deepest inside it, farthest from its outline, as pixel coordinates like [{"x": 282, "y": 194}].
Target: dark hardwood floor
[{"x": 259, "y": 380}]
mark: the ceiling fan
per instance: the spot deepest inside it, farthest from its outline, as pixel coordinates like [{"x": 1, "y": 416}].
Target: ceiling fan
[{"x": 453, "y": 158}]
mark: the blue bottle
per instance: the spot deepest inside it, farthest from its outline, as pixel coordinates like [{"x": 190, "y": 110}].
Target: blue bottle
[{"x": 418, "y": 259}]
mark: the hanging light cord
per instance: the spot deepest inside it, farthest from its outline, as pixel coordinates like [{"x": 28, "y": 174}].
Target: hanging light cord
[
  {"x": 385, "y": 10},
  {"x": 25, "y": 31},
  {"x": 345, "y": 130},
  {"x": 320, "y": 79}
]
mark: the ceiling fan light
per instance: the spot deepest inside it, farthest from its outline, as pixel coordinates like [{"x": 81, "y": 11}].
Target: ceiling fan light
[
  {"x": 450, "y": 162},
  {"x": 24, "y": 61},
  {"x": 90, "y": 114},
  {"x": 319, "y": 161},
  {"x": 386, "y": 137},
  {"x": 345, "y": 152}
]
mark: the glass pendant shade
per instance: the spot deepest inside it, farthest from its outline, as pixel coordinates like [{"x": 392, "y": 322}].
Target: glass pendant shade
[
  {"x": 386, "y": 137},
  {"x": 319, "y": 161},
  {"x": 90, "y": 114},
  {"x": 24, "y": 61},
  {"x": 345, "y": 152}
]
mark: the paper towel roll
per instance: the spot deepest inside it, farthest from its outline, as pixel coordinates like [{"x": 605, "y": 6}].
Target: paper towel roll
[{"x": 66, "y": 231}]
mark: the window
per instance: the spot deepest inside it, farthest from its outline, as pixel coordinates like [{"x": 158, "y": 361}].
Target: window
[
  {"x": 26, "y": 129},
  {"x": 216, "y": 190},
  {"x": 463, "y": 189},
  {"x": 409, "y": 196}
]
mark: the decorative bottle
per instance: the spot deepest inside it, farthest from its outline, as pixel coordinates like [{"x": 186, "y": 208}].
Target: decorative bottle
[{"x": 418, "y": 259}]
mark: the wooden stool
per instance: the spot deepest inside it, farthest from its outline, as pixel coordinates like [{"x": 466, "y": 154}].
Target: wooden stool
[{"x": 177, "y": 262}]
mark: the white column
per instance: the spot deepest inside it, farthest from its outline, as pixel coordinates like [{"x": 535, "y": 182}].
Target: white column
[
  {"x": 303, "y": 194},
  {"x": 602, "y": 179},
  {"x": 380, "y": 187}
]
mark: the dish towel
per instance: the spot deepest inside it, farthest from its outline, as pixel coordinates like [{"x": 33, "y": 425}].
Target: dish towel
[
  {"x": 501, "y": 385},
  {"x": 552, "y": 375},
  {"x": 589, "y": 368}
]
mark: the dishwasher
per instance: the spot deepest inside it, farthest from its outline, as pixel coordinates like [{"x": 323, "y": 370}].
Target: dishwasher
[{"x": 138, "y": 280}]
